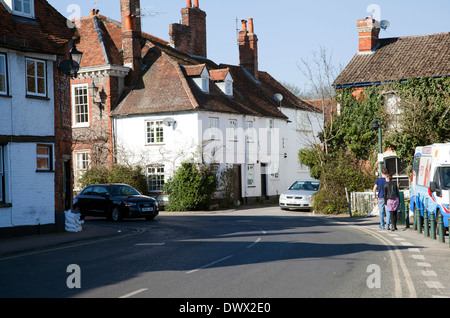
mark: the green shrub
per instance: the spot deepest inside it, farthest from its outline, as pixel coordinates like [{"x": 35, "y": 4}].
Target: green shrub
[
  {"x": 191, "y": 188},
  {"x": 340, "y": 172},
  {"x": 132, "y": 176},
  {"x": 228, "y": 181}
]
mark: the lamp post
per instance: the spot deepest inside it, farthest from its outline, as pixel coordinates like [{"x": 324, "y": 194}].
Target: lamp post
[{"x": 377, "y": 126}]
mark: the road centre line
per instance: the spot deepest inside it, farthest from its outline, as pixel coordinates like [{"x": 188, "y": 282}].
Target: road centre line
[
  {"x": 209, "y": 265},
  {"x": 134, "y": 293},
  {"x": 149, "y": 244},
  {"x": 254, "y": 243}
]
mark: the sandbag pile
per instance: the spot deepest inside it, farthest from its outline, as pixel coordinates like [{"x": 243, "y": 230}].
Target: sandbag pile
[{"x": 73, "y": 223}]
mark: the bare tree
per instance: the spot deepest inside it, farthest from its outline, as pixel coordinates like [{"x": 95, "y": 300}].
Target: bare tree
[{"x": 320, "y": 72}]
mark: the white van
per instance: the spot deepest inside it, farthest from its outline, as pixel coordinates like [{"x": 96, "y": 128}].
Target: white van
[{"x": 430, "y": 184}]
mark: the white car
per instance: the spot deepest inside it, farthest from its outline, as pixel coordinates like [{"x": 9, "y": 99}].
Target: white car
[{"x": 299, "y": 195}]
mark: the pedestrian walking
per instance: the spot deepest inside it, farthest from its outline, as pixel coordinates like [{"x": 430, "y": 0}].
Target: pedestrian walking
[
  {"x": 392, "y": 200},
  {"x": 379, "y": 199}
]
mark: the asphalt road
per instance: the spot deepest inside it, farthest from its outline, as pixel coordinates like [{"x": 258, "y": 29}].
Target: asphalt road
[{"x": 254, "y": 253}]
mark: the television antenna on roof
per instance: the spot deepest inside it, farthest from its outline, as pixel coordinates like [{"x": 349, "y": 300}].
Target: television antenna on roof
[{"x": 142, "y": 12}]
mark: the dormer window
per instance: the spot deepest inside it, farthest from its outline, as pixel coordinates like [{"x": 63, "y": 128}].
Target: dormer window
[
  {"x": 223, "y": 80},
  {"x": 229, "y": 88},
  {"x": 205, "y": 84},
  {"x": 200, "y": 75},
  {"x": 23, "y": 8}
]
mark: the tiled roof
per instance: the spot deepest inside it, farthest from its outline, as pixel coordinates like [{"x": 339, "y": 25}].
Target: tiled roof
[
  {"x": 47, "y": 33},
  {"x": 219, "y": 75},
  {"x": 398, "y": 59},
  {"x": 100, "y": 41},
  {"x": 166, "y": 83}
]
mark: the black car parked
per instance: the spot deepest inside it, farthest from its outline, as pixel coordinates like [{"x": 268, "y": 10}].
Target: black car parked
[{"x": 115, "y": 201}]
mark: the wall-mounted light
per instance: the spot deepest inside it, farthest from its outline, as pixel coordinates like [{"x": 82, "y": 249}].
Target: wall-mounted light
[
  {"x": 71, "y": 66},
  {"x": 98, "y": 97}
]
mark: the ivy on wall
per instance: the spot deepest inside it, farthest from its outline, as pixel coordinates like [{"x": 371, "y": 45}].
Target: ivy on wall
[{"x": 424, "y": 118}]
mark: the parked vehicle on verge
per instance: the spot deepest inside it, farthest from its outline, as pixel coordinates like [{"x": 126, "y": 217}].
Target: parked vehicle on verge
[
  {"x": 299, "y": 195},
  {"x": 430, "y": 183},
  {"x": 115, "y": 201}
]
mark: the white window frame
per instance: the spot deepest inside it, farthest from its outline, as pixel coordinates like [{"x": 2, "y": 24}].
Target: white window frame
[
  {"x": 81, "y": 165},
  {"x": 36, "y": 77},
  {"x": 233, "y": 133},
  {"x": 154, "y": 132},
  {"x": 155, "y": 178},
  {"x": 214, "y": 128},
  {"x": 21, "y": 11},
  {"x": 250, "y": 175},
  {"x": 76, "y": 105},
  {"x": 48, "y": 157},
  {"x": 229, "y": 88},
  {"x": 4, "y": 74},
  {"x": 250, "y": 131},
  {"x": 205, "y": 84}
]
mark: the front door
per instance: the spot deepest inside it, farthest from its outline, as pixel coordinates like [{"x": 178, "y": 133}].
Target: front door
[{"x": 264, "y": 180}]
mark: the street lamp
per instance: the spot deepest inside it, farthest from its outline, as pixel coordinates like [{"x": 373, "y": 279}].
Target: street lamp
[
  {"x": 71, "y": 66},
  {"x": 377, "y": 126},
  {"x": 98, "y": 98}
]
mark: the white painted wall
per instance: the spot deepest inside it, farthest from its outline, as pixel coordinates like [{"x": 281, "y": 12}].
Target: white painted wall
[
  {"x": 301, "y": 132},
  {"x": 30, "y": 195},
  {"x": 275, "y": 143}
]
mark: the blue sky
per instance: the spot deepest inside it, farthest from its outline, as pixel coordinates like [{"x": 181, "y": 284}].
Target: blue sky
[{"x": 288, "y": 30}]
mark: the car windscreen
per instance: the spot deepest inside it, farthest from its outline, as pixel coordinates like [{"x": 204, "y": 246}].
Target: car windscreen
[
  {"x": 446, "y": 178},
  {"x": 305, "y": 185},
  {"x": 122, "y": 190}
]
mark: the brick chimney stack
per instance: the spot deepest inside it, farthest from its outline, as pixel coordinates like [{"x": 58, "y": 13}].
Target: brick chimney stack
[
  {"x": 369, "y": 31},
  {"x": 248, "y": 48},
  {"x": 131, "y": 37},
  {"x": 190, "y": 36}
]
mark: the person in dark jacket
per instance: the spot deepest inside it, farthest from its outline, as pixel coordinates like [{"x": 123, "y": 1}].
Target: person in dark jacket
[{"x": 392, "y": 200}]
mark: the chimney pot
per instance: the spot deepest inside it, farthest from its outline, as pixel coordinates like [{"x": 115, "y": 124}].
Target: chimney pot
[
  {"x": 196, "y": 4},
  {"x": 130, "y": 23},
  {"x": 92, "y": 12},
  {"x": 189, "y": 4},
  {"x": 244, "y": 25},
  {"x": 250, "y": 25}
]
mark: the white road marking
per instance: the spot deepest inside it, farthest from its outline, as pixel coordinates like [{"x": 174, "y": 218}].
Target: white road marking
[
  {"x": 428, "y": 273},
  {"x": 434, "y": 284},
  {"x": 254, "y": 243},
  {"x": 134, "y": 293},
  {"x": 423, "y": 264},
  {"x": 209, "y": 265}
]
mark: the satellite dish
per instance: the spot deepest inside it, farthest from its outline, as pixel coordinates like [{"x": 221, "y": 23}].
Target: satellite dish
[
  {"x": 169, "y": 122},
  {"x": 278, "y": 97},
  {"x": 384, "y": 24}
]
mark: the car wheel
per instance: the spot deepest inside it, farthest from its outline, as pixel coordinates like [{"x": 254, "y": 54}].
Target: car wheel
[{"x": 116, "y": 215}]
